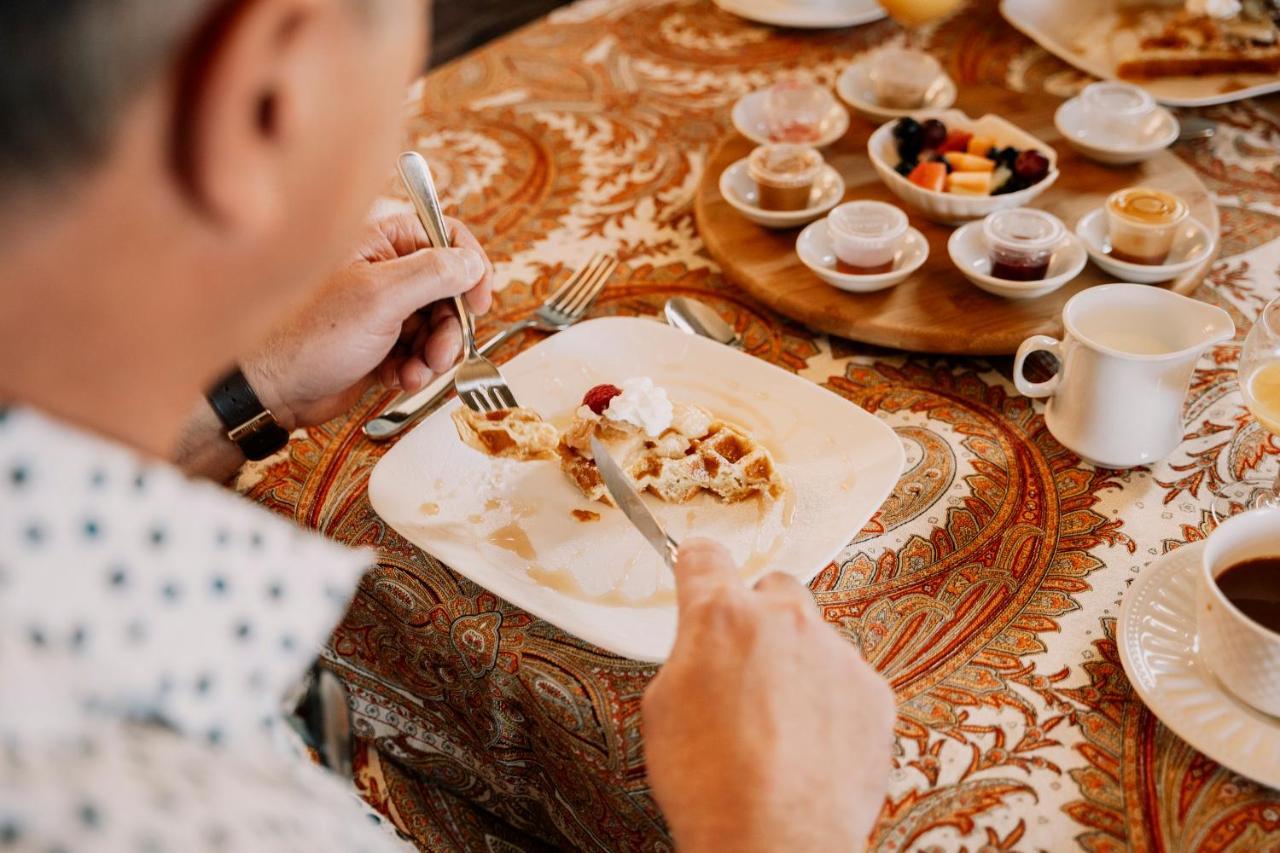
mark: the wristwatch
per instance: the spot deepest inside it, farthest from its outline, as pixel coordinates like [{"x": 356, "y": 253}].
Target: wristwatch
[{"x": 250, "y": 425}]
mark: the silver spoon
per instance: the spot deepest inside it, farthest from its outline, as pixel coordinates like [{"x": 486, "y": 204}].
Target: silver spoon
[
  {"x": 1194, "y": 127},
  {"x": 698, "y": 318}
]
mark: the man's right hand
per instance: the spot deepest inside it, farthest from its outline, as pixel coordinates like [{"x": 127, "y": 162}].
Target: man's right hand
[{"x": 765, "y": 730}]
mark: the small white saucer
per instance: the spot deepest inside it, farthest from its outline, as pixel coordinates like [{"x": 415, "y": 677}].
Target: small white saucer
[
  {"x": 1192, "y": 247},
  {"x": 1156, "y": 636},
  {"x": 741, "y": 192},
  {"x": 749, "y": 119},
  {"x": 781, "y": 13},
  {"x": 1161, "y": 132},
  {"x": 968, "y": 250},
  {"x": 817, "y": 252},
  {"x": 855, "y": 89}
]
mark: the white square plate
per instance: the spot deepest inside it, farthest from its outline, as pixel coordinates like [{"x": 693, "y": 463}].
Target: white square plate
[
  {"x": 509, "y": 526},
  {"x": 1077, "y": 33}
]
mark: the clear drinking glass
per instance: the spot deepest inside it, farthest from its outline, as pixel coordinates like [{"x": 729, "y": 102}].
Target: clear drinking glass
[{"x": 1259, "y": 373}]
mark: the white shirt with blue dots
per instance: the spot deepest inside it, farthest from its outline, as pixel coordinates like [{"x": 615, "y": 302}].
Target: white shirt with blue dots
[{"x": 151, "y": 627}]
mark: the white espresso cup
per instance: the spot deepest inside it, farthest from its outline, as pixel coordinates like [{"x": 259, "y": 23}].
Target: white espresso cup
[{"x": 1243, "y": 654}]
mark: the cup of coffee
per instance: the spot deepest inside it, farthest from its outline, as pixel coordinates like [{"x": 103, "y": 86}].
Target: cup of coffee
[
  {"x": 1238, "y": 608},
  {"x": 1143, "y": 224}
]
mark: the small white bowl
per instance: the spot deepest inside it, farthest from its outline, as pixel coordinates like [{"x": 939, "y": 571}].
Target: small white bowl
[
  {"x": 818, "y": 253},
  {"x": 1192, "y": 247},
  {"x": 969, "y": 252},
  {"x": 1159, "y": 135},
  {"x": 750, "y": 120},
  {"x": 855, "y": 89},
  {"x": 742, "y": 194},
  {"x": 950, "y": 208}
]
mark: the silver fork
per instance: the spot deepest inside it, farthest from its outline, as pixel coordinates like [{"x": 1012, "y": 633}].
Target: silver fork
[
  {"x": 561, "y": 310},
  {"x": 479, "y": 384}
]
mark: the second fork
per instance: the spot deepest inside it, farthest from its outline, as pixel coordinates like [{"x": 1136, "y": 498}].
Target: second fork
[{"x": 564, "y": 307}]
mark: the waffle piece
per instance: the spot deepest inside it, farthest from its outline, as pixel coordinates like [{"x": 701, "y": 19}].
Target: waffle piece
[
  {"x": 1174, "y": 43},
  {"x": 726, "y": 461},
  {"x": 574, "y": 450},
  {"x": 698, "y": 453},
  {"x": 507, "y": 433}
]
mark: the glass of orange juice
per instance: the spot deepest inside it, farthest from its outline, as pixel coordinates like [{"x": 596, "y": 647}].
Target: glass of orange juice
[
  {"x": 1259, "y": 373},
  {"x": 913, "y": 13}
]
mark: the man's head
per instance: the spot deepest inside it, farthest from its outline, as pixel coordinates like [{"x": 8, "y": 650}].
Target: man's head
[{"x": 191, "y": 167}]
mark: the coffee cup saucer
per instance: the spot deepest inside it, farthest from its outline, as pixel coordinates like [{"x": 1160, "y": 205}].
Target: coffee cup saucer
[
  {"x": 968, "y": 250},
  {"x": 818, "y": 253},
  {"x": 1192, "y": 247},
  {"x": 1161, "y": 132},
  {"x": 749, "y": 119},
  {"x": 855, "y": 89},
  {"x": 740, "y": 191},
  {"x": 1156, "y": 638}
]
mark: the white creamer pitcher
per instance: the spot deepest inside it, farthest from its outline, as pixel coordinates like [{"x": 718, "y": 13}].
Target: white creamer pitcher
[{"x": 1125, "y": 364}]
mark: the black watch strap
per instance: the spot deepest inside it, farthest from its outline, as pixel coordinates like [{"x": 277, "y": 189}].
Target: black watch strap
[{"x": 249, "y": 423}]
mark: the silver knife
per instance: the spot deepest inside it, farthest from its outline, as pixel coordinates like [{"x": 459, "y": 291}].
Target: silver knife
[{"x": 628, "y": 500}]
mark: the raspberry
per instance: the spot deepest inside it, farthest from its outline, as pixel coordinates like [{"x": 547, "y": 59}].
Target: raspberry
[{"x": 597, "y": 399}]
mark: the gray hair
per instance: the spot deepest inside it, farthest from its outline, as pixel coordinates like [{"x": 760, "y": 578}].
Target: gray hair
[{"x": 69, "y": 68}]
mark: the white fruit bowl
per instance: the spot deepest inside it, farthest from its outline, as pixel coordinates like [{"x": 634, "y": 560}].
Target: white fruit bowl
[{"x": 952, "y": 208}]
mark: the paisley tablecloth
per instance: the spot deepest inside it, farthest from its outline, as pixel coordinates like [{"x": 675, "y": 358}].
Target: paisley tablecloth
[{"x": 987, "y": 588}]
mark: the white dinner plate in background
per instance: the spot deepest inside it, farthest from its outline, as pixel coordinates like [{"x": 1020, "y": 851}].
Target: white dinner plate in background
[
  {"x": 1077, "y": 33},
  {"x": 806, "y": 14}
]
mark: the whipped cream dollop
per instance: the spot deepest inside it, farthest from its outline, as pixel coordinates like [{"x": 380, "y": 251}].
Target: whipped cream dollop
[
  {"x": 1221, "y": 9},
  {"x": 643, "y": 404}
]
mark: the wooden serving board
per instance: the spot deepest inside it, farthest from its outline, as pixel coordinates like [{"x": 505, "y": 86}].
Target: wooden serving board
[{"x": 937, "y": 309}]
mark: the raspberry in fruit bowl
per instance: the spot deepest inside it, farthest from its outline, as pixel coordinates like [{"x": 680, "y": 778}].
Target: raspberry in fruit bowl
[{"x": 597, "y": 399}]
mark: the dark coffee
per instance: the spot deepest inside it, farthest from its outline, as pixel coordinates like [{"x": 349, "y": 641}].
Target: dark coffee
[{"x": 1254, "y": 588}]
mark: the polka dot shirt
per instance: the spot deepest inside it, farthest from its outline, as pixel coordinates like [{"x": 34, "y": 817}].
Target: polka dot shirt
[{"x": 151, "y": 628}]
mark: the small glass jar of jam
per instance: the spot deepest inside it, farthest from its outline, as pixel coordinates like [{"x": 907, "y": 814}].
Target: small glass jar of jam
[
  {"x": 866, "y": 236},
  {"x": 1118, "y": 113},
  {"x": 795, "y": 110},
  {"x": 901, "y": 78},
  {"x": 1021, "y": 242}
]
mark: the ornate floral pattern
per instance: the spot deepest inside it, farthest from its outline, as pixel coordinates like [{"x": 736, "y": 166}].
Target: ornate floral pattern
[{"x": 987, "y": 586}]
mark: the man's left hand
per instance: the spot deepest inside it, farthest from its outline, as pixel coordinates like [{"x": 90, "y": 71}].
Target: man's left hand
[{"x": 364, "y": 324}]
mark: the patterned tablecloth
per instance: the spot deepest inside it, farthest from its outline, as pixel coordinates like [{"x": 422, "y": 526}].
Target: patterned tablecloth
[{"x": 988, "y": 587}]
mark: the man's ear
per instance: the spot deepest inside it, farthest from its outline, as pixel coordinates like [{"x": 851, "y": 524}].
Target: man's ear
[{"x": 241, "y": 86}]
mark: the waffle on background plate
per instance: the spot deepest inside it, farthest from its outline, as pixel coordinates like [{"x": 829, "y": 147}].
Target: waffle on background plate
[{"x": 1153, "y": 40}]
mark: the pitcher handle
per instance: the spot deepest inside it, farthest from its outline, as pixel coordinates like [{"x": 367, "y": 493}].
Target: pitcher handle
[{"x": 1037, "y": 343}]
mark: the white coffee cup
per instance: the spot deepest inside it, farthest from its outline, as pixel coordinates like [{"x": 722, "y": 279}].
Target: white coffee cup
[
  {"x": 1243, "y": 655},
  {"x": 1125, "y": 364}
]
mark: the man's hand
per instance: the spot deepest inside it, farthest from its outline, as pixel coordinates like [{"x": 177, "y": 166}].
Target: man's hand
[
  {"x": 363, "y": 324},
  {"x": 765, "y": 730}
]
